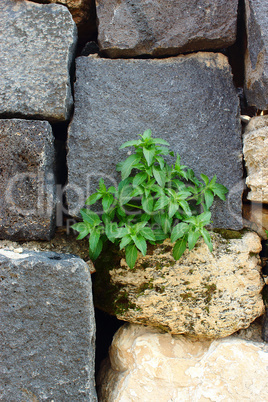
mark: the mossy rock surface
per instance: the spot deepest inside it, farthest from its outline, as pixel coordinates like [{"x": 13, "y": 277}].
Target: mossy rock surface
[{"x": 203, "y": 294}]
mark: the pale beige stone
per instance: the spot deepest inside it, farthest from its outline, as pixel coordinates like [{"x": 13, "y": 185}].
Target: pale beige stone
[
  {"x": 256, "y": 217},
  {"x": 256, "y": 158},
  {"x": 203, "y": 294},
  {"x": 146, "y": 365}
]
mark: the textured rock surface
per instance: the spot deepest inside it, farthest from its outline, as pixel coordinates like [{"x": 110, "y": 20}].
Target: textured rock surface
[
  {"x": 148, "y": 366},
  {"x": 131, "y": 28},
  {"x": 83, "y": 13},
  {"x": 203, "y": 294},
  {"x": 48, "y": 328},
  {"x": 255, "y": 151},
  {"x": 256, "y": 56},
  {"x": 27, "y": 184},
  {"x": 188, "y": 100},
  {"x": 256, "y": 217},
  {"x": 37, "y": 84}
]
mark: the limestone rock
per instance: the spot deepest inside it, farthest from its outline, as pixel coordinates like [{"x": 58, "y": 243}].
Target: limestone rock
[
  {"x": 256, "y": 155},
  {"x": 27, "y": 183},
  {"x": 256, "y": 56},
  {"x": 36, "y": 85},
  {"x": 146, "y": 365},
  {"x": 47, "y": 327},
  {"x": 129, "y": 28},
  {"x": 189, "y": 100},
  {"x": 203, "y": 294},
  {"x": 256, "y": 218}
]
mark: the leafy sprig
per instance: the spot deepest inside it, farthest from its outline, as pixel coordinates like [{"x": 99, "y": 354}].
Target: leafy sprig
[{"x": 153, "y": 201}]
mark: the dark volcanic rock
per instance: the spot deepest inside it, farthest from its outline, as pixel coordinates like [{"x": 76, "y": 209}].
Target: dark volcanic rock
[
  {"x": 188, "y": 100},
  {"x": 256, "y": 56},
  {"x": 131, "y": 28},
  {"x": 27, "y": 183},
  {"x": 37, "y": 44},
  {"x": 48, "y": 328}
]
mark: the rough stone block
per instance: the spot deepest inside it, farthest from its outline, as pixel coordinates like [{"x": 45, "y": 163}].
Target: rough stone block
[
  {"x": 203, "y": 294},
  {"x": 131, "y": 28},
  {"x": 256, "y": 55},
  {"x": 27, "y": 183},
  {"x": 47, "y": 328},
  {"x": 83, "y": 13},
  {"x": 37, "y": 44},
  {"x": 149, "y": 366},
  {"x": 189, "y": 100},
  {"x": 255, "y": 151}
]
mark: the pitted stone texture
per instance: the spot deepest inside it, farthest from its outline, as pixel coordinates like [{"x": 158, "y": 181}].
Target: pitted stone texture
[
  {"x": 256, "y": 55},
  {"x": 83, "y": 13},
  {"x": 37, "y": 44},
  {"x": 203, "y": 294},
  {"x": 131, "y": 28},
  {"x": 189, "y": 100},
  {"x": 27, "y": 183},
  {"x": 146, "y": 365},
  {"x": 255, "y": 151},
  {"x": 48, "y": 328}
]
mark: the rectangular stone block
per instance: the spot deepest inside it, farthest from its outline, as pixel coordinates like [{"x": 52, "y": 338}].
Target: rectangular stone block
[
  {"x": 256, "y": 55},
  {"x": 27, "y": 182},
  {"x": 47, "y": 328},
  {"x": 132, "y": 28},
  {"x": 190, "y": 101},
  {"x": 37, "y": 44}
]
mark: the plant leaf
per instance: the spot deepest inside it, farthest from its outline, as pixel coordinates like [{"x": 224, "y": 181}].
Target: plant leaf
[
  {"x": 125, "y": 241},
  {"x": 207, "y": 239},
  {"x": 140, "y": 243},
  {"x": 82, "y": 228},
  {"x": 179, "y": 248},
  {"x": 107, "y": 201},
  {"x": 179, "y": 231},
  {"x": 89, "y": 216},
  {"x": 160, "y": 176},
  {"x": 148, "y": 233},
  {"x": 93, "y": 198},
  {"x": 193, "y": 236},
  {"x": 209, "y": 198},
  {"x": 130, "y": 143},
  {"x": 128, "y": 165},
  {"x": 139, "y": 178},
  {"x": 94, "y": 239},
  {"x": 94, "y": 254},
  {"x": 131, "y": 255},
  {"x": 149, "y": 154}
]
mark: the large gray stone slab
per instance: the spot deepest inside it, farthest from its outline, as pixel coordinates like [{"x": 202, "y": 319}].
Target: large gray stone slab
[
  {"x": 131, "y": 28},
  {"x": 27, "y": 182},
  {"x": 47, "y": 328},
  {"x": 188, "y": 100},
  {"x": 37, "y": 44},
  {"x": 256, "y": 55}
]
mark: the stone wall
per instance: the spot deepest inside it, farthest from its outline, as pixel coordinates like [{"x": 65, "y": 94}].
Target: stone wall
[{"x": 196, "y": 75}]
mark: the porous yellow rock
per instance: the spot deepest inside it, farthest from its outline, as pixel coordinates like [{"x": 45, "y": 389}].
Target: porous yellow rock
[
  {"x": 203, "y": 294},
  {"x": 256, "y": 155}
]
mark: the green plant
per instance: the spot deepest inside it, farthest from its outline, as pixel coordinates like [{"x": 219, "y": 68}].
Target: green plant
[{"x": 154, "y": 201}]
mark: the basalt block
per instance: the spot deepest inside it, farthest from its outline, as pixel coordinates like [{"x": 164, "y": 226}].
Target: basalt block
[
  {"x": 190, "y": 101},
  {"x": 37, "y": 50},
  {"x": 27, "y": 180},
  {"x": 131, "y": 28},
  {"x": 48, "y": 328}
]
